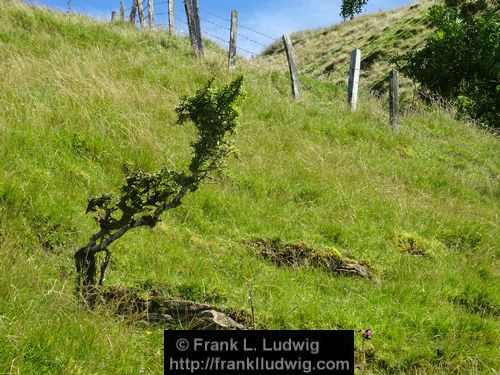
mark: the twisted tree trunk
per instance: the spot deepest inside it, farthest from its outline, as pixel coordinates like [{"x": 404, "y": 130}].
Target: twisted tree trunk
[{"x": 145, "y": 196}]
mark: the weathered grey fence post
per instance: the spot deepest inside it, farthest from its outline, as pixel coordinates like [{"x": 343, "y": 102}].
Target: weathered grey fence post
[
  {"x": 352, "y": 88},
  {"x": 113, "y": 16},
  {"x": 197, "y": 23},
  {"x": 151, "y": 14},
  {"x": 394, "y": 100},
  {"x": 171, "y": 15},
  {"x": 141, "y": 13},
  {"x": 191, "y": 26},
  {"x": 133, "y": 12},
  {"x": 291, "y": 65},
  {"x": 232, "y": 40},
  {"x": 122, "y": 11}
]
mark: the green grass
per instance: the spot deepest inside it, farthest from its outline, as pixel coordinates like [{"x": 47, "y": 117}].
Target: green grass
[{"x": 79, "y": 100}]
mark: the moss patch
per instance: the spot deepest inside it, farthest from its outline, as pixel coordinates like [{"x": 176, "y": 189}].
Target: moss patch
[
  {"x": 416, "y": 245},
  {"x": 300, "y": 255},
  {"x": 157, "y": 309}
]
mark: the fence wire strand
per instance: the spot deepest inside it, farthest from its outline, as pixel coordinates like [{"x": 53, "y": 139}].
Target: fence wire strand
[
  {"x": 214, "y": 37},
  {"x": 239, "y": 25}
]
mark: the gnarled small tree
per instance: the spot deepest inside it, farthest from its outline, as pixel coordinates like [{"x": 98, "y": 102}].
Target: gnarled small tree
[{"x": 145, "y": 196}]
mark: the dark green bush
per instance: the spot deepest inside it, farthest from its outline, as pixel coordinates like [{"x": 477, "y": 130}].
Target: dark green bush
[{"x": 461, "y": 61}]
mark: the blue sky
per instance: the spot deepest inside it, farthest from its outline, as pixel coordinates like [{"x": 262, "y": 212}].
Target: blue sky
[{"x": 264, "y": 20}]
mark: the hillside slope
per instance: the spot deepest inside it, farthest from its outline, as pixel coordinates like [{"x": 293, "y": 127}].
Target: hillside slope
[
  {"x": 325, "y": 53},
  {"x": 81, "y": 102}
]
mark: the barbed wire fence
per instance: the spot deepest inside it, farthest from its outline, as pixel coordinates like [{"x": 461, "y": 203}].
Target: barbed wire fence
[
  {"x": 253, "y": 48},
  {"x": 256, "y": 42},
  {"x": 141, "y": 14}
]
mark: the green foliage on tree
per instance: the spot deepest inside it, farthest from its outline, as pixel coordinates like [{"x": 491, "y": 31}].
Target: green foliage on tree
[
  {"x": 350, "y": 8},
  {"x": 461, "y": 61},
  {"x": 145, "y": 196}
]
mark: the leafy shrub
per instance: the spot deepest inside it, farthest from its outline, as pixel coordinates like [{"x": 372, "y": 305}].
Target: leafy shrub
[
  {"x": 351, "y": 7},
  {"x": 461, "y": 61}
]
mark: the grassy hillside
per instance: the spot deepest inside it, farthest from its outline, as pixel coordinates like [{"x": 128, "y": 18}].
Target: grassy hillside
[
  {"x": 325, "y": 53},
  {"x": 81, "y": 100}
]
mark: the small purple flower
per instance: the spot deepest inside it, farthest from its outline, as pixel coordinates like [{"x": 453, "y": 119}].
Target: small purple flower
[{"x": 367, "y": 334}]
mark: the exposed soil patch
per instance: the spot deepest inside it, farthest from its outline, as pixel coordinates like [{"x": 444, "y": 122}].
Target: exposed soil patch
[
  {"x": 300, "y": 255},
  {"x": 171, "y": 312}
]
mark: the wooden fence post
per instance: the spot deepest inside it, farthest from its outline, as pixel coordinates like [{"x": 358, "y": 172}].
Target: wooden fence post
[
  {"x": 122, "y": 11},
  {"x": 191, "y": 25},
  {"x": 394, "y": 100},
  {"x": 232, "y": 40},
  {"x": 141, "y": 13},
  {"x": 151, "y": 15},
  {"x": 291, "y": 65},
  {"x": 113, "y": 16},
  {"x": 133, "y": 12},
  {"x": 352, "y": 88},
  {"x": 171, "y": 15},
  {"x": 197, "y": 23}
]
